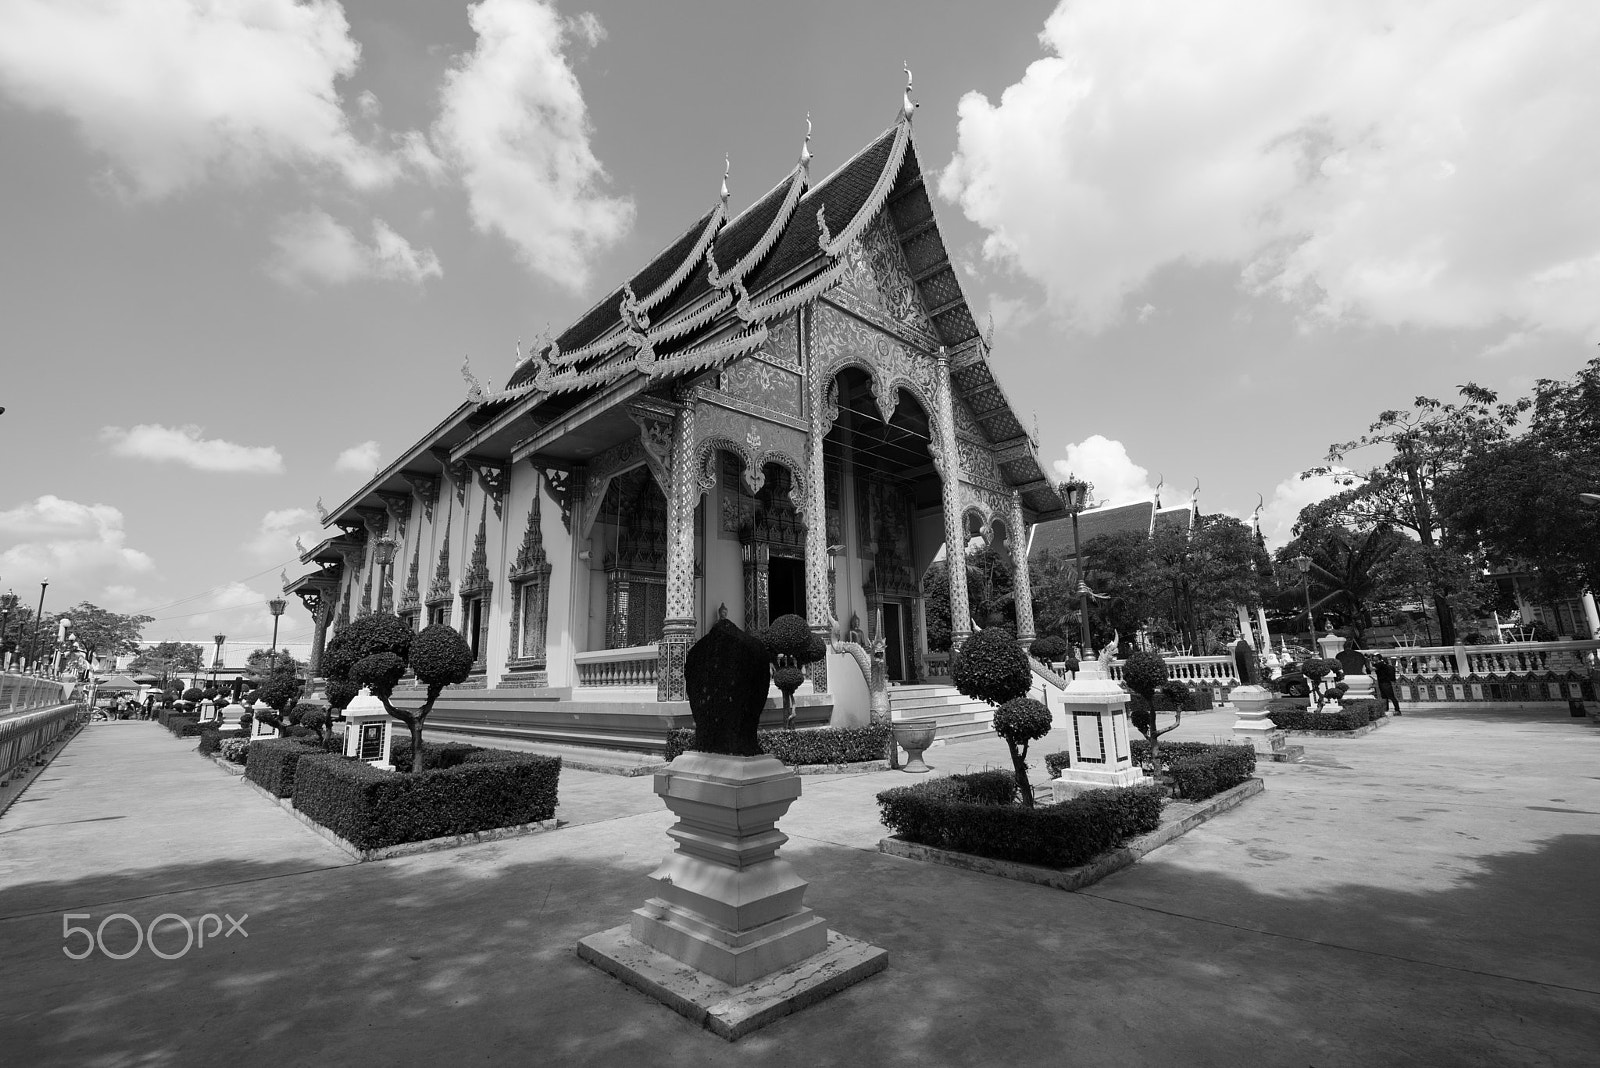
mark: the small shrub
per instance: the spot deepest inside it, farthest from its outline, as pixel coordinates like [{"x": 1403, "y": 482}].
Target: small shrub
[
  {"x": 372, "y": 809},
  {"x": 236, "y": 750},
  {"x": 211, "y": 740},
  {"x": 991, "y": 667},
  {"x": 272, "y": 761},
  {"x": 814, "y": 745},
  {"x": 1196, "y": 769},
  {"x": 956, "y": 813},
  {"x": 183, "y": 726},
  {"x": 1050, "y": 648},
  {"x": 1303, "y": 719},
  {"x": 435, "y": 755}
]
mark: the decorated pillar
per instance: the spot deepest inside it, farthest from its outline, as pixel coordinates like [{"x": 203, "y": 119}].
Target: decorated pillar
[
  {"x": 947, "y": 459},
  {"x": 819, "y": 565},
  {"x": 677, "y": 632},
  {"x": 1021, "y": 589}
]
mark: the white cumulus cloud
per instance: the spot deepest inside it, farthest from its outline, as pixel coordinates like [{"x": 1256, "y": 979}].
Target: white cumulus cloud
[
  {"x": 187, "y": 446},
  {"x": 1105, "y": 462},
  {"x": 1427, "y": 163},
  {"x": 359, "y": 459},
  {"x": 76, "y": 546},
  {"x": 514, "y": 125},
  {"x": 314, "y": 249},
  {"x": 174, "y": 92}
]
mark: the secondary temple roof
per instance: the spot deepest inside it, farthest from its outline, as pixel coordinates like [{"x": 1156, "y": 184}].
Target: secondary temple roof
[{"x": 707, "y": 297}]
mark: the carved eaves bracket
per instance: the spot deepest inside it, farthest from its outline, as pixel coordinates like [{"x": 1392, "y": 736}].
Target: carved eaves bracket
[
  {"x": 426, "y": 487},
  {"x": 562, "y": 483},
  {"x": 376, "y": 520},
  {"x": 655, "y": 421},
  {"x": 398, "y": 505},
  {"x": 493, "y": 476}
]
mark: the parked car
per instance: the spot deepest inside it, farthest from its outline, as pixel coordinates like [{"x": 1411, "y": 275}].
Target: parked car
[{"x": 1291, "y": 682}]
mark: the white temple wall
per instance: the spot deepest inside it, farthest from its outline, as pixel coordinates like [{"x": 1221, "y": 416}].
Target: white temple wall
[
  {"x": 850, "y": 570},
  {"x": 722, "y": 565},
  {"x": 601, "y": 535},
  {"x": 562, "y": 630}
]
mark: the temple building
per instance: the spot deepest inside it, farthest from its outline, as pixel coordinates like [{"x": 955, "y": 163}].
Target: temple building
[{"x": 790, "y": 409}]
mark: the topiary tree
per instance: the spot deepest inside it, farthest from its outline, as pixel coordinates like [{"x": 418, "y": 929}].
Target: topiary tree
[
  {"x": 439, "y": 657},
  {"x": 790, "y": 646},
  {"x": 193, "y": 694},
  {"x": 1050, "y": 648},
  {"x": 1144, "y": 674},
  {"x": 1019, "y": 721},
  {"x": 991, "y": 667}
]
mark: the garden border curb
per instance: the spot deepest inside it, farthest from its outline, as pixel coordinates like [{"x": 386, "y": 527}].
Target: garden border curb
[
  {"x": 1357, "y": 733},
  {"x": 1086, "y": 874}
]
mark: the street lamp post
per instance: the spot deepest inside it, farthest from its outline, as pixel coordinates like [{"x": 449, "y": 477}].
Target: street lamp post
[
  {"x": 383, "y": 555},
  {"x": 33, "y": 643},
  {"x": 216, "y": 661},
  {"x": 1303, "y": 562},
  {"x": 276, "y": 607},
  {"x": 1075, "y": 491},
  {"x": 6, "y": 604}
]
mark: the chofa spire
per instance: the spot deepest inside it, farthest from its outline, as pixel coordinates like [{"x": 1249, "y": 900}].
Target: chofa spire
[
  {"x": 908, "y": 106},
  {"x": 805, "y": 147}
]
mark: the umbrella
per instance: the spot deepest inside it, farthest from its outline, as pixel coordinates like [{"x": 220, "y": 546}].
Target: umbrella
[{"x": 117, "y": 682}]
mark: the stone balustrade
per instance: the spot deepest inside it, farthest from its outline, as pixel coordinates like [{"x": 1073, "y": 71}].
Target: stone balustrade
[
  {"x": 1515, "y": 671},
  {"x": 1216, "y": 670},
  {"x": 631, "y": 667}
]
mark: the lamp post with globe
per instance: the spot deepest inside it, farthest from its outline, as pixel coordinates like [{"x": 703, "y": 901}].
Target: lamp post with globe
[
  {"x": 383, "y": 554},
  {"x": 1075, "y": 492},
  {"x": 33, "y": 643},
  {"x": 216, "y": 662},
  {"x": 1303, "y": 562}
]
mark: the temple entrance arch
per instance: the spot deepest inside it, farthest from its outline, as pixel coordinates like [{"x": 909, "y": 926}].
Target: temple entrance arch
[{"x": 884, "y": 503}]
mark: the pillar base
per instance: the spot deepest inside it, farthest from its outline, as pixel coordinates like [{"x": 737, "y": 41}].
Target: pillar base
[
  {"x": 1076, "y": 780},
  {"x": 671, "y": 652}
]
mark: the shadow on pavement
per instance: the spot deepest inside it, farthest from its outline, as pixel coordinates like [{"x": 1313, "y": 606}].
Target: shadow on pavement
[{"x": 467, "y": 956}]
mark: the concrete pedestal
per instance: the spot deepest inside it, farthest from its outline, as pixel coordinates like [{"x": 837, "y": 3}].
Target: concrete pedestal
[
  {"x": 1100, "y": 755},
  {"x": 726, "y": 904},
  {"x": 1252, "y": 726},
  {"x": 1361, "y": 687}
]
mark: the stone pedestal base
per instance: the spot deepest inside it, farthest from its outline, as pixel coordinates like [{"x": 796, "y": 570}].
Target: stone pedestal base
[
  {"x": 726, "y": 905},
  {"x": 733, "y": 1011},
  {"x": 1255, "y": 729},
  {"x": 1362, "y": 687},
  {"x": 1099, "y": 755}
]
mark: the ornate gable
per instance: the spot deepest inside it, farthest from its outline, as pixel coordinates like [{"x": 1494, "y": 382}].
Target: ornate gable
[{"x": 878, "y": 284}]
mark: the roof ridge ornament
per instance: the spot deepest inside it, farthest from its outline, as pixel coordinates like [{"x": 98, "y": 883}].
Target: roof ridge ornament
[
  {"x": 805, "y": 147},
  {"x": 908, "y": 107},
  {"x": 476, "y": 393},
  {"x": 824, "y": 235},
  {"x": 727, "y": 169}
]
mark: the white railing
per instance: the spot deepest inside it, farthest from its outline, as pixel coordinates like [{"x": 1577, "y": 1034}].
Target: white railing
[
  {"x": 634, "y": 666},
  {"x": 1513, "y": 658},
  {"x": 1217, "y": 670},
  {"x": 23, "y": 693}
]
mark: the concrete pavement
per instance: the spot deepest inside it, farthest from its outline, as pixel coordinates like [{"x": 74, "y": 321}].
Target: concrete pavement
[{"x": 1421, "y": 895}]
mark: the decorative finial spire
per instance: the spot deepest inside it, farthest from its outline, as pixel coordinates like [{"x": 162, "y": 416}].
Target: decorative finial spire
[
  {"x": 1036, "y": 428},
  {"x": 1161, "y": 480},
  {"x": 1255, "y": 517},
  {"x": 908, "y": 107},
  {"x": 988, "y": 336},
  {"x": 322, "y": 510},
  {"x": 727, "y": 169},
  {"x": 283, "y": 576},
  {"x": 805, "y": 147}
]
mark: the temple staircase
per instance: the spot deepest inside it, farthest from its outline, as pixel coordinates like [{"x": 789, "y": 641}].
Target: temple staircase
[{"x": 957, "y": 716}]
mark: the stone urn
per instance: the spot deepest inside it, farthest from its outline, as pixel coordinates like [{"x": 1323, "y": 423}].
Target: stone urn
[{"x": 914, "y": 736}]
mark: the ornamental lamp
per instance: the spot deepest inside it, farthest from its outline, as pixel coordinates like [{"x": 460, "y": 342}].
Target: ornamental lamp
[
  {"x": 384, "y": 550},
  {"x": 1075, "y": 491},
  {"x": 1303, "y": 562}
]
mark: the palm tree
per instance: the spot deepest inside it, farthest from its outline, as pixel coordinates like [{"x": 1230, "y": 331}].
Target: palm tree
[{"x": 1356, "y": 572}]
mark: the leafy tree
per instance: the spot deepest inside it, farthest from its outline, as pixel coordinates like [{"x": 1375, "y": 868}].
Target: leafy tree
[
  {"x": 1145, "y": 673},
  {"x": 102, "y": 632},
  {"x": 439, "y": 657},
  {"x": 991, "y": 667},
  {"x": 1365, "y": 575},
  {"x": 169, "y": 658},
  {"x": 379, "y": 632},
  {"x": 1049, "y": 648},
  {"x": 1054, "y": 580},
  {"x": 1517, "y": 497},
  {"x": 263, "y": 662},
  {"x": 936, "y": 607},
  {"x": 1426, "y": 444}
]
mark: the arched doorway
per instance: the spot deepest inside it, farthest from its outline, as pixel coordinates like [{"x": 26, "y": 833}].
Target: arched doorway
[{"x": 885, "y": 516}]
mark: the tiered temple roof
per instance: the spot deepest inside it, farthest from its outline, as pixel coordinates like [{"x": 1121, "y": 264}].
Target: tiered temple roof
[{"x": 706, "y": 298}]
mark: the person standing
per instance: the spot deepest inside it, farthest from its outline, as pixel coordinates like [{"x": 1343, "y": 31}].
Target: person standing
[{"x": 1383, "y": 670}]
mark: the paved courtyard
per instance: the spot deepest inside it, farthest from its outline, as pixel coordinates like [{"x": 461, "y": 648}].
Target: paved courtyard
[{"x": 1423, "y": 895}]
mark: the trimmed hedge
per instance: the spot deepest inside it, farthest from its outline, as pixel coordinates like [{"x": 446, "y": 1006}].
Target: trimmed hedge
[
  {"x": 814, "y": 745},
  {"x": 183, "y": 726},
  {"x": 1197, "y": 769},
  {"x": 960, "y": 813},
  {"x": 1201, "y": 699},
  {"x": 1353, "y": 716},
  {"x": 271, "y": 763},
  {"x": 372, "y": 809},
  {"x": 435, "y": 755},
  {"x": 211, "y": 740}
]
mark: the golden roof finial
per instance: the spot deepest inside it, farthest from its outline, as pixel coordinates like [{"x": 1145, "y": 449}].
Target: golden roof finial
[
  {"x": 805, "y": 147},
  {"x": 908, "y": 107},
  {"x": 727, "y": 169}
]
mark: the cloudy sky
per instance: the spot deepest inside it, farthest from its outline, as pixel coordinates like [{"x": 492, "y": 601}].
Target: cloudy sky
[{"x": 247, "y": 242}]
